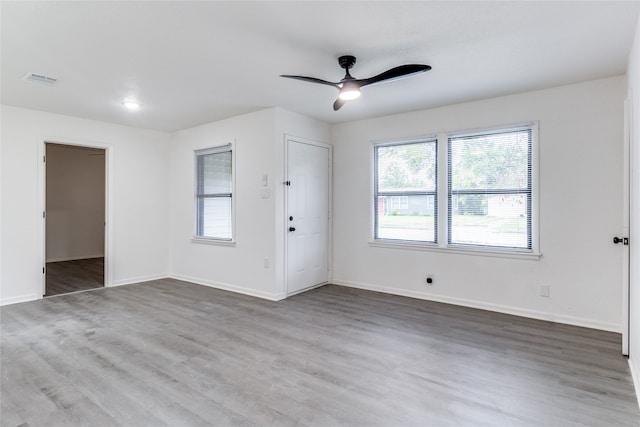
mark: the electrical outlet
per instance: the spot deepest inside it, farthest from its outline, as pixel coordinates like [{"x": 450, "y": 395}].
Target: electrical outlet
[
  {"x": 545, "y": 291},
  {"x": 267, "y": 264}
]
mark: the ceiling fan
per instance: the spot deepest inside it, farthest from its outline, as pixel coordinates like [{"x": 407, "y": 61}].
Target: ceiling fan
[{"x": 349, "y": 87}]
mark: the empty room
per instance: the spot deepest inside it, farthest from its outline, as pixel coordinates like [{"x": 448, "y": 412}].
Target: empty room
[{"x": 462, "y": 253}]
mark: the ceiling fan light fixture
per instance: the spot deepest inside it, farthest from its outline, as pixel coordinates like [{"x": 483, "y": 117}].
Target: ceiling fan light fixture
[
  {"x": 349, "y": 87},
  {"x": 349, "y": 91}
]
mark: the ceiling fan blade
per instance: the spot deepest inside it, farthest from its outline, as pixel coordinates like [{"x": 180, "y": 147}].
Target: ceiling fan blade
[
  {"x": 338, "y": 104},
  {"x": 311, "y": 80},
  {"x": 395, "y": 73}
]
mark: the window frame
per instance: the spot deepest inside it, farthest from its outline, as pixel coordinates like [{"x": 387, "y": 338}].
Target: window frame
[
  {"x": 197, "y": 237},
  {"x": 488, "y": 191},
  {"x": 442, "y": 208},
  {"x": 376, "y": 193}
]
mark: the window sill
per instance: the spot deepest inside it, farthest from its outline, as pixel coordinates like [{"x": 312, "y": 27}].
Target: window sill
[
  {"x": 495, "y": 253},
  {"x": 210, "y": 241}
]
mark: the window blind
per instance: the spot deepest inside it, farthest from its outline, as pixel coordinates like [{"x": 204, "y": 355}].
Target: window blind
[
  {"x": 214, "y": 193},
  {"x": 490, "y": 189},
  {"x": 405, "y": 191}
]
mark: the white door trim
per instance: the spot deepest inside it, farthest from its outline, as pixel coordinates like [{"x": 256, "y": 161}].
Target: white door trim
[
  {"x": 285, "y": 228},
  {"x": 41, "y": 203},
  {"x": 626, "y": 214}
]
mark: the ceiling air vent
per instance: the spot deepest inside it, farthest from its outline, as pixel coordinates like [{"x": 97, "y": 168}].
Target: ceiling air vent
[{"x": 39, "y": 78}]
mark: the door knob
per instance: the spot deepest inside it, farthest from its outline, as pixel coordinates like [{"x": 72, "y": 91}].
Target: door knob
[
  {"x": 292, "y": 229},
  {"x": 623, "y": 240}
]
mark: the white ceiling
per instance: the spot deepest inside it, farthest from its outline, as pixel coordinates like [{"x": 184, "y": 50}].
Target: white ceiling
[{"x": 191, "y": 63}]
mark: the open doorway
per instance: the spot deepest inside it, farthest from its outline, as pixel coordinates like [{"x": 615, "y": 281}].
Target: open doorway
[{"x": 74, "y": 219}]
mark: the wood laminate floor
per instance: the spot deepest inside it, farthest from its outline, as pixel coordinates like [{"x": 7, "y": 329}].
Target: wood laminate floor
[
  {"x": 64, "y": 277},
  {"x": 171, "y": 353}
]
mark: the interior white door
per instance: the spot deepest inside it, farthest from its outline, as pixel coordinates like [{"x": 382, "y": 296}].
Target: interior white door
[{"x": 307, "y": 215}]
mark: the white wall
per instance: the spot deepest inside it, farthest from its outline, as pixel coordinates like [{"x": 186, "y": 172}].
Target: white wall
[
  {"x": 150, "y": 184},
  {"x": 259, "y": 142},
  {"x": 633, "y": 80},
  {"x": 240, "y": 267},
  {"x": 139, "y": 198},
  {"x": 75, "y": 202},
  {"x": 580, "y": 200},
  {"x": 153, "y": 209}
]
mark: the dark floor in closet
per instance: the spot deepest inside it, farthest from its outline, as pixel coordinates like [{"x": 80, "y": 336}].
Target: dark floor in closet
[{"x": 72, "y": 276}]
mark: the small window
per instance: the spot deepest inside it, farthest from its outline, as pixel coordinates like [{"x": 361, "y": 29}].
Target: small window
[
  {"x": 214, "y": 191},
  {"x": 405, "y": 191},
  {"x": 490, "y": 189},
  {"x": 400, "y": 203}
]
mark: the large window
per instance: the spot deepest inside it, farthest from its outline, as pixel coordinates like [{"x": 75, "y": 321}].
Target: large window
[
  {"x": 214, "y": 191},
  {"x": 405, "y": 191},
  {"x": 490, "y": 189},
  {"x": 486, "y": 177}
]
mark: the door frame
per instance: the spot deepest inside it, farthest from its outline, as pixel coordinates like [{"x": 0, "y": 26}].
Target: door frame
[
  {"x": 287, "y": 139},
  {"x": 42, "y": 198},
  {"x": 626, "y": 220}
]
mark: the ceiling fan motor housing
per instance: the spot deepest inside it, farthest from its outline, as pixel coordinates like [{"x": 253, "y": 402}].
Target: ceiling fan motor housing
[{"x": 347, "y": 61}]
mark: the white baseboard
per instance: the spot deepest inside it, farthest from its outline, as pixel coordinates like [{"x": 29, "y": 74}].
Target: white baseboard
[
  {"x": 310, "y": 288},
  {"x": 233, "y": 288},
  {"x": 134, "y": 280},
  {"x": 533, "y": 314},
  {"x": 19, "y": 298},
  {"x": 635, "y": 375},
  {"x": 74, "y": 258}
]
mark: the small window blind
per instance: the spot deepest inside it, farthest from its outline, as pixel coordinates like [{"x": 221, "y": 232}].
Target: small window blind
[
  {"x": 405, "y": 191},
  {"x": 214, "y": 190}
]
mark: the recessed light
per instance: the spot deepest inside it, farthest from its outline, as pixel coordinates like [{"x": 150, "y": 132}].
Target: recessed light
[{"x": 131, "y": 104}]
